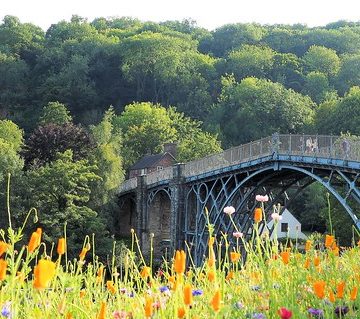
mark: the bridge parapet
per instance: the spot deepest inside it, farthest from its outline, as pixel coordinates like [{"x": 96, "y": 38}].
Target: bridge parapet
[
  {"x": 330, "y": 147},
  {"x": 232, "y": 156},
  {"x": 128, "y": 185},
  {"x": 162, "y": 175}
]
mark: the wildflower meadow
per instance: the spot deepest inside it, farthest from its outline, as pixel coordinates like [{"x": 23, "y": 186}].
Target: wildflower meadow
[{"x": 257, "y": 277}]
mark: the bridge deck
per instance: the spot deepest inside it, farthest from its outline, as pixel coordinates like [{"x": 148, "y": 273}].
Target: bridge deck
[{"x": 319, "y": 149}]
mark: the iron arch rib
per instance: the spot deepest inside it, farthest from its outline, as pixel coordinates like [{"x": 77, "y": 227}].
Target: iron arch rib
[{"x": 274, "y": 177}]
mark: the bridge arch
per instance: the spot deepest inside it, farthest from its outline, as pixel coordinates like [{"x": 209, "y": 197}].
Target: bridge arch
[{"x": 274, "y": 178}]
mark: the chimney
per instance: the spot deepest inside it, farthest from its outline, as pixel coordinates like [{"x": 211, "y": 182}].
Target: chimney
[{"x": 170, "y": 148}]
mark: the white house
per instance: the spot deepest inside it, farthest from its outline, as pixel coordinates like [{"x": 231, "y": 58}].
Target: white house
[{"x": 288, "y": 226}]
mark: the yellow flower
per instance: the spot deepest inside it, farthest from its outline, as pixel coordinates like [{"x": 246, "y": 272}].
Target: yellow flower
[
  {"x": 145, "y": 272},
  {"x": 353, "y": 293},
  {"x": 102, "y": 312},
  {"x": 211, "y": 276},
  {"x": 148, "y": 307},
  {"x": 34, "y": 241},
  {"x": 3, "y": 247},
  {"x": 180, "y": 262},
  {"x": 234, "y": 256},
  {"x": 188, "y": 297},
  {"x": 258, "y": 215},
  {"x": 285, "y": 256},
  {"x": 216, "y": 300},
  {"x": 181, "y": 312},
  {"x": 61, "y": 247},
  {"x": 319, "y": 288},
  {"x": 44, "y": 272},
  {"x": 340, "y": 290},
  {"x": 308, "y": 245},
  {"x": 329, "y": 240},
  {"x": 3, "y": 267},
  {"x": 99, "y": 276},
  {"x": 84, "y": 252},
  {"x": 110, "y": 287}
]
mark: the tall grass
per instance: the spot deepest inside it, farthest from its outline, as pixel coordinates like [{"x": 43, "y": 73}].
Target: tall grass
[{"x": 276, "y": 281}]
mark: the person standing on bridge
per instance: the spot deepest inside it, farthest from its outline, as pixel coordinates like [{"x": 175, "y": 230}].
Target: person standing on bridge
[
  {"x": 308, "y": 145},
  {"x": 346, "y": 148}
]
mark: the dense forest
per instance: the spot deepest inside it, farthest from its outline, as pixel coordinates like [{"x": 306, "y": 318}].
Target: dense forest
[{"x": 109, "y": 91}]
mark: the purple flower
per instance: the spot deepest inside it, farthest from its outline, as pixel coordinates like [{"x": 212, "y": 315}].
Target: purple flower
[
  {"x": 6, "y": 310},
  {"x": 164, "y": 289},
  {"x": 197, "y": 292},
  {"x": 341, "y": 310},
  {"x": 239, "y": 305},
  {"x": 258, "y": 315},
  {"x": 255, "y": 288},
  {"x": 317, "y": 313}
]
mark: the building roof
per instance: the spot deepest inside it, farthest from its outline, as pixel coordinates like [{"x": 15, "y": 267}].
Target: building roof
[{"x": 149, "y": 161}]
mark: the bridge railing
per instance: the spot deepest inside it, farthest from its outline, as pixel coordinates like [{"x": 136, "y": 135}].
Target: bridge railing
[
  {"x": 232, "y": 156},
  {"x": 161, "y": 175},
  {"x": 332, "y": 147}
]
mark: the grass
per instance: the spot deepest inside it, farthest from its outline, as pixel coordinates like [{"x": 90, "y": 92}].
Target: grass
[{"x": 277, "y": 281}]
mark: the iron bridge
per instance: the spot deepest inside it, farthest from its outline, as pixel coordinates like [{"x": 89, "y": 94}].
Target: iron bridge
[{"x": 171, "y": 203}]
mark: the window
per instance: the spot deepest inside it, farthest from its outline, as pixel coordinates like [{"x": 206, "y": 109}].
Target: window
[
  {"x": 159, "y": 168},
  {"x": 284, "y": 227}
]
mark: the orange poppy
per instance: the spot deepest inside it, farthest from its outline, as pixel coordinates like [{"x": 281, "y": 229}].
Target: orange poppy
[{"x": 258, "y": 215}]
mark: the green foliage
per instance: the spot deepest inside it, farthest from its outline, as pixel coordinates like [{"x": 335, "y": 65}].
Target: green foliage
[
  {"x": 145, "y": 128},
  {"x": 343, "y": 115},
  {"x": 10, "y": 162},
  {"x": 317, "y": 86},
  {"x": 231, "y": 36},
  {"x": 250, "y": 60},
  {"x": 256, "y": 108},
  {"x": 107, "y": 156},
  {"x": 349, "y": 74},
  {"x": 56, "y": 113},
  {"x": 193, "y": 142},
  {"x": 60, "y": 191},
  {"x": 11, "y": 134},
  {"x": 321, "y": 59}
]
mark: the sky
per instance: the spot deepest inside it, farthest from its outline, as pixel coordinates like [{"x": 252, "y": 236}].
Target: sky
[{"x": 209, "y": 14}]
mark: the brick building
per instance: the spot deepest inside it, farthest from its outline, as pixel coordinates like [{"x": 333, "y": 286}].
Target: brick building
[{"x": 155, "y": 162}]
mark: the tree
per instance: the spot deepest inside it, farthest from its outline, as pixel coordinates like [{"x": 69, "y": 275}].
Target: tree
[
  {"x": 231, "y": 36},
  {"x": 325, "y": 117},
  {"x": 321, "y": 59},
  {"x": 14, "y": 84},
  {"x": 108, "y": 159},
  {"x": 60, "y": 191},
  {"x": 256, "y": 108},
  {"x": 55, "y": 113},
  {"x": 347, "y": 113},
  {"x": 145, "y": 128},
  {"x": 317, "y": 86},
  {"x": 48, "y": 140},
  {"x": 287, "y": 70},
  {"x": 250, "y": 60},
  {"x": 11, "y": 134},
  {"x": 349, "y": 74},
  {"x": 193, "y": 142},
  {"x": 10, "y": 162}
]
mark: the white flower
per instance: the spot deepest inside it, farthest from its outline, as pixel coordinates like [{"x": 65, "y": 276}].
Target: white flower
[
  {"x": 238, "y": 234},
  {"x": 229, "y": 210},
  {"x": 276, "y": 217},
  {"x": 261, "y": 198}
]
